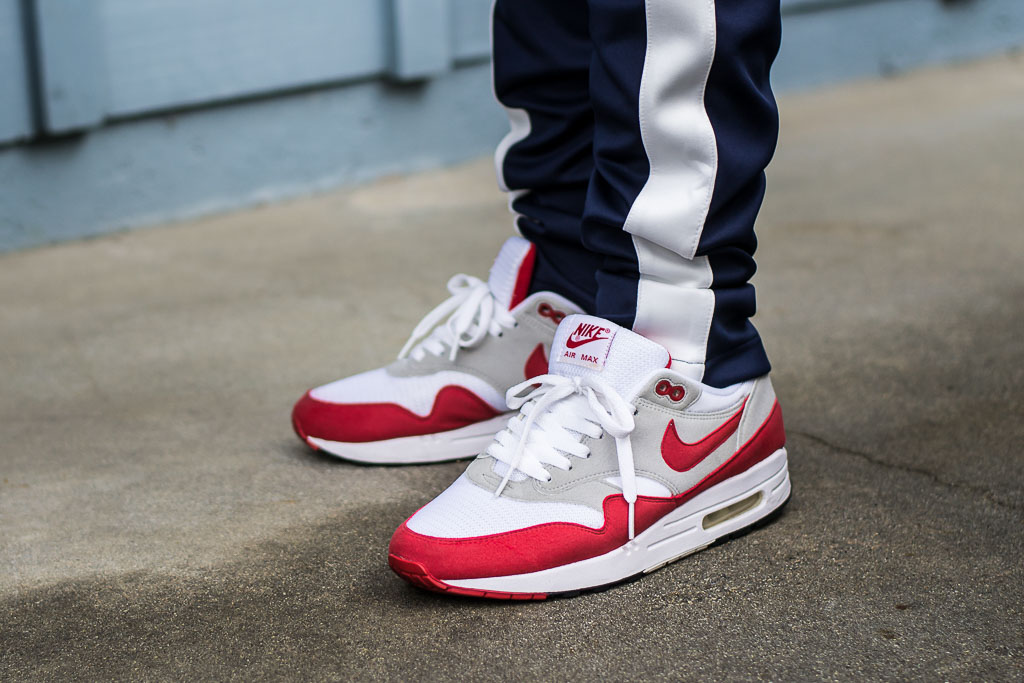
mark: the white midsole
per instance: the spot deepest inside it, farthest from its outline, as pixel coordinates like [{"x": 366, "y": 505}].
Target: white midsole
[
  {"x": 678, "y": 533},
  {"x": 459, "y": 443}
]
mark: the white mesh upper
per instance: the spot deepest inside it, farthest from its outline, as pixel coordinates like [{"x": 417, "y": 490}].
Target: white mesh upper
[
  {"x": 631, "y": 357},
  {"x": 416, "y": 394},
  {"x": 464, "y": 510},
  {"x": 505, "y": 271}
]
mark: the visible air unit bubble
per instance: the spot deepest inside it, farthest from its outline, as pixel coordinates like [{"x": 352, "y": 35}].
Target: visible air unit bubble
[{"x": 728, "y": 512}]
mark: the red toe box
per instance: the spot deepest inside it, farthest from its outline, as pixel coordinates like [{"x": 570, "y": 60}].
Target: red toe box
[{"x": 454, "y": 407}]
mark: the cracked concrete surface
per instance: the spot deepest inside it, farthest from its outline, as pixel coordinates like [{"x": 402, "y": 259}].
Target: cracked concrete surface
[
  {"x": 931, "y": 476},
  {"x": 159, "y": 520}
]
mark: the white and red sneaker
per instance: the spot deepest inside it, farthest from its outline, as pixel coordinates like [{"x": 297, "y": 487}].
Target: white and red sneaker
[
  {"x": 614, "y": 467},
  {"x": 444, "y": 398}
]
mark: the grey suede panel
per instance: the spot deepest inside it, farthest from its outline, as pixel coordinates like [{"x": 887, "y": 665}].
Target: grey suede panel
[
  {"x": 585, "y": 483},
  {"x": 480, "y": 472},
  {"x": 499, "y": 361},
  {"x": 691, "y": 387},
  {"x": 759, "y": 407}
]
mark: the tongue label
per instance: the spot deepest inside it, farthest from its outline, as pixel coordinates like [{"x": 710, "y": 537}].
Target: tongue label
[{"x": 587, "y": 345}]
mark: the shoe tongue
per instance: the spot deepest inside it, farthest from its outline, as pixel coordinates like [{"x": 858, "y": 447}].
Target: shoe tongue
[
  {"x": 586, "y": 345},
  {"x": 511, "y": 272}
]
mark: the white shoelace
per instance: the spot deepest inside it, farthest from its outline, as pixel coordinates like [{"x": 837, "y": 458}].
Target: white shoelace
[
  {"x": 472, "y": 314},
  {"x": 553, "y": 417}
]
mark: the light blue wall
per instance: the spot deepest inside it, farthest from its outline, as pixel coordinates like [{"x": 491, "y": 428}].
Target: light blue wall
[
  {"x": 829, "y": 41},
  {"x": 15, "y": 99},
  {"x": 96, "y": 61},
  {"x": 162, "y": 54},
  {"x": 165, "y": 109},
  {"x": 154, "y": 169}
]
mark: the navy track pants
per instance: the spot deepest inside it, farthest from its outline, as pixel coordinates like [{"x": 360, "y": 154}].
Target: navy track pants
[{"x": 640, "y": 131}]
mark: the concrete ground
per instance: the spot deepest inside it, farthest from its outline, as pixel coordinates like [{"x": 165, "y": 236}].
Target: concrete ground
[{"x": 158, "y": 519}]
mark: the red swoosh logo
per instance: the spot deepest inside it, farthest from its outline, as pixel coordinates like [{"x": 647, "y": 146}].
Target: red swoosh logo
[
  {"x": 682, "y": 456},
  {"x": 537, "y": 363},
  {"x": 573, "y": 343}
]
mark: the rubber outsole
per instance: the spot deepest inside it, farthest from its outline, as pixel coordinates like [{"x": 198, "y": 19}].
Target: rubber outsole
[
  {"x": 465, "y": 447},
  {"x": 417, "y": 575}
]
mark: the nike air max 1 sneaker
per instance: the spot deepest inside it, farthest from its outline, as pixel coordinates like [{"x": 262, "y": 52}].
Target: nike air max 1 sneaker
[
  {"x": 615, "y": 466},
  {"x": 444, "y": 398}
]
